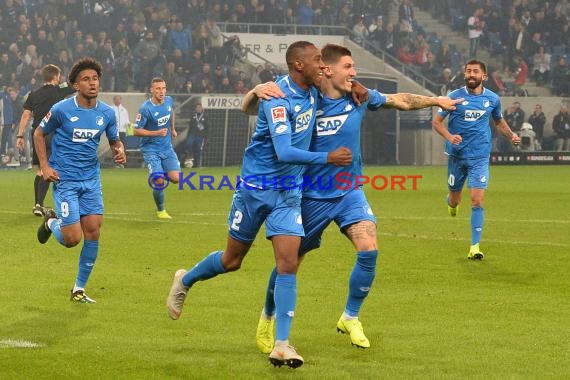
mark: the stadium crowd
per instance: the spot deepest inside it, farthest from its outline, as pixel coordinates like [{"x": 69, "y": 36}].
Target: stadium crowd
[{"x": 181, "y": 41}]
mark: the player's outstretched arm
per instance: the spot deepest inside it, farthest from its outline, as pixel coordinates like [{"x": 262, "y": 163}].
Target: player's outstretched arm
[
  {"x": 507, "y": 132},
  {"x": 438, "y": 126},
  {"x": 265, "y": 91},
  {"x": 406, "y": 102}
]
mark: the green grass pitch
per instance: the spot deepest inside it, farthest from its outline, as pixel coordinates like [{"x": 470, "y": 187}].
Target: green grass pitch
[{"x": 431, "y": 313}]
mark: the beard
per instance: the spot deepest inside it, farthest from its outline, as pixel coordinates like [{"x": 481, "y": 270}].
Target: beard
[{"x": 473, "y": 85}]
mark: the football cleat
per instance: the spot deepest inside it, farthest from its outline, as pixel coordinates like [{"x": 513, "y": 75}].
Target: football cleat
[
  {"x": 285, "y": 354},
  {"x": 177, "y": 295},
  {"x": 453, "y": 210},
  {"x": 38, "y": 210},
  {"x": 44, "y": 232},
  {"x": 354, "y": 328},
  {"x": 79, "y": 296},
  {"x": 475, "y": 253},
  {"x": 163, "y": 215},
  {"x": 265, "y": 336}
]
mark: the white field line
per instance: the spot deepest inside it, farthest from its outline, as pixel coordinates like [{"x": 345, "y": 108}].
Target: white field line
[{"x": 19, "y": 343}]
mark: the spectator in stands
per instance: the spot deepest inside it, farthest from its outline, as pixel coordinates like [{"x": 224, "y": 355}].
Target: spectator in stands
[
  {"x": 215, "y": 39},
  {"x": 376, "y": 32},
  {"x": 390, "y": 41},
  {"x": 541, "y": 67},
  {"x": 515, "y": 116},
  {"x": 556, "y": 26},
  {"x": 405, "y": 55},
  {"x": 475, "y": 25},
  {"x": 268, "y": 74},
  {"x": 359, "y": 31},
  {"x": 105, "y": 55},
  {"x": 406, "y": 16},
  {"x": 179, "y": 38},
  {"x": 561, "y": 78},
  {"x": 255, "y": 79},
  {"x": 537, "y": 119},
  {"x": 305, "y": 13},
  {"x": 561, "y": 128},
  {"x": 519, "y": 44},
  {"x": 122, "y": 65},
  {"x": 520, "y": 75},
  {"x": 344, "y": 17},
  {"x": 225, "y": 87},
  {"x": 145, "y": 54}
]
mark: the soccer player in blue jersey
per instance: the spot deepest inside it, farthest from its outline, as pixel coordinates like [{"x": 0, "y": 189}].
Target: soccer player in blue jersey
[
  {"x": 338, "y": 124},
  {"x": 73, "y": 167},
  {"x": 272, "y": 171},
  {"x": 155, "y": 125},
  {"x": 468, "y": 145}
]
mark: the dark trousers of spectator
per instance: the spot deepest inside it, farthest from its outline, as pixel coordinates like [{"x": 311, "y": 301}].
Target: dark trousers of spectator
[
  {"x": 195, "y": 147},
  {"x": 473, "y": 47},
  {"x": 5, "y": 139}
]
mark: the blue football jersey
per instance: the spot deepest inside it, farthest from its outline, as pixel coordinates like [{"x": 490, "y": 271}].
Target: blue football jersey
[
  {"x": 338, "y": 124},
  {"x": 153, "y": 117},
  {"x": 471, "y": 120},
  {"x": 295, "y": 115},
  {"x": 77, "y": 132}
]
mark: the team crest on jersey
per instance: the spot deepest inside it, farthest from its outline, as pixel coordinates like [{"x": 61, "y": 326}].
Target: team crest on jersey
[
  {"x": 348, "y": 107},
  {"x": 99, "y": 120},
  {"x": 303, "y": 120},
  {"x": 474, "y": 115},
  {"x": 278, "y": 114},
  {"x": 83, "y": 135},
  {"x": 330, "y": 125},
  {"x": 486, "y": 103}
]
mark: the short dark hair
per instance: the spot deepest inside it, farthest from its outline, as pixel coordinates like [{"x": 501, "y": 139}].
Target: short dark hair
[
  {"x": 49, "y": 72},
  {"x": 84, "y": 64},
  {"x": 294, "y": 51},
  {"x": 333, "y": 52},
  {"x": 477, "y": 62},
  {"x": 156, "y": 80}
]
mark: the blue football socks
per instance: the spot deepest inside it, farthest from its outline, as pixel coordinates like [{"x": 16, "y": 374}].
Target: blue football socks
[
  {"x": 477, "y": 218},
  {"x": 285, "y": 303},
  {"x": 209, "y": 267},
  {"x": 86, "y": 262},
  {"x": 55, "y": 226},
  {"x": 360, "y": 281},
  {"x": 158, "y": 196},
  {"x": 269, "y": 307}
]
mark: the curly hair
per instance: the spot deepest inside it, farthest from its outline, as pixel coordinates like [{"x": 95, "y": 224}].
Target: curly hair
[{"x": 84, "y": 64}]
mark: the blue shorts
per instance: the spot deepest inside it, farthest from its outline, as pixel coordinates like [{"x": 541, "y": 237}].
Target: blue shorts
[
  {"x": 344, "y": 211},
  {"x": 475, "y": 170},
  {"x": 74, "y": 199},
  {"x": 279, "y": 209},
  {"x": 162, "y": 162}
]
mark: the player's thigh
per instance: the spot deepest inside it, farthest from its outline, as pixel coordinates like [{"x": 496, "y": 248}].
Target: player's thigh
[
  {"x": 357, "y": 221},
  {"x": 170, "y": 163},
  {"x": 248, "y": 212},
  {"x": 285, "y": 216},
  {"x": 478, "y": 170},
  {"x": 153, "y": 162},
  {"x": 456, "y": 174},
  {"x": 66, "y": 201},
  {"x": 317, "y": 215},
  {"x": 91, "y": 198}
]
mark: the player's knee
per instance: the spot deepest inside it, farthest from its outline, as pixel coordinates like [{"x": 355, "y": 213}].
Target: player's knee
[
  {"x": 71, "y": 241},
  {"x": 367, "y": 259}
]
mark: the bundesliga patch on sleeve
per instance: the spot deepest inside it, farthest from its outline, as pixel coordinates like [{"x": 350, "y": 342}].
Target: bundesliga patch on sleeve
[
  {"x": 138, "y": 118},
  {"x": 278, "y": 114},
  {"x": 47, "y": 117}
]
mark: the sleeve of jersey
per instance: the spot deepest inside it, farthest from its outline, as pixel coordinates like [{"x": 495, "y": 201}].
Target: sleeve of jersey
[
  {"x": 112, "y": 131},
  {"x": 280, "y": 130},
  {"x": 375, "y": 100},
  {"x": 50, "y": 121},
  {"x": 497, "y": 111},
  {"x": 140, "y": 120}
]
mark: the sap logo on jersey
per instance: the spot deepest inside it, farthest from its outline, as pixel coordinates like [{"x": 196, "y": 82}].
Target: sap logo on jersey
[
  {"x": 163, "y": 120},
  {"x": 330, "y": 125},
  {"x": 473, "y": 115},
  {"x": 83, "y": 135},
  {"x": 303, "y": 120}
]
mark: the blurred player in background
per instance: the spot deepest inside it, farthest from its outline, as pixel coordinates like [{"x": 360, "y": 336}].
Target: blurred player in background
[
  {"x": 468, "y": 145},
  {"x": 36, "y": 106},
  {"x": 77, "y": 124},
  {"x": 155, "y": 125}
]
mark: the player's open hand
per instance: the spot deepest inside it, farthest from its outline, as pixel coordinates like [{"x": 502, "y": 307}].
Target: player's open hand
[
  {"x": 49, "y": 174},
  {"x": 268, "y": 90},
  {"x": 447, "y": 103},
  {"x": 359, "y": 92},
  {"x": 174, "y": 134},
  {"x": 456, "y": 139},
  {"x": 119, "y": 155},
  {"x": 340, "y": 157},
  {"x": 515, "y": 139},
  {"x": 20, "y": 143}
]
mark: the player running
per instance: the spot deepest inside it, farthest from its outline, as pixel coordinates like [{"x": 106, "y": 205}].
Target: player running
[{"x": 468, "y": 145}]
